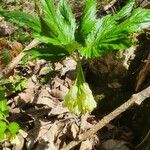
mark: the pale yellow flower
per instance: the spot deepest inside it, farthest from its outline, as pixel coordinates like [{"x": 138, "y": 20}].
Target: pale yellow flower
[{"x": 79, "y": 98}]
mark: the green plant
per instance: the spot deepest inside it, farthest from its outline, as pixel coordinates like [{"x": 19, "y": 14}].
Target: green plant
[
  {"x": 91, "y": 37},
  {"x": 13, "y": 84},
  {"x": 8, "y": 130},
  {"x": 5, "y": 56}
]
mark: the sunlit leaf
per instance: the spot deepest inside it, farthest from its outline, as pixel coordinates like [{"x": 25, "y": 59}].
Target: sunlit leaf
[
  {"x": 3, "y": 127},
  {"x": 52, "y": 53},
  {"x": 3, "y": 104},
  {"x": 22, "y": 18},
  {"x": 111, "y": 35},
  {"x": 13, "y": 128},
  {"x": 126, "y": 10},
  {"x": 88, "y": 20}
]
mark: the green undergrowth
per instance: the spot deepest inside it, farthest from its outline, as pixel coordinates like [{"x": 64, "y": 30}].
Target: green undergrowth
[{"x": 9, "y": 130}]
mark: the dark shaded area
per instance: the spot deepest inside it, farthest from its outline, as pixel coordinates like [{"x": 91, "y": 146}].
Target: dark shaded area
[{"x": 136, "y": 118}]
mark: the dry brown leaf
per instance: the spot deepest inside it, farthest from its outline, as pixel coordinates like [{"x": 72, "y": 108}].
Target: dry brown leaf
[
  {"x": 49, "y": 136},
  {"x": 6, "y": 28},
  {"x": 68, "y": 64},
  {"x": 58, "y": 88},
  {"x": 59, "y": 84},
  {"x": 89, "y": 143},
  {"x": 57, "y": 110},
  {"x": 86, "y": 145},
  {"x": 143, "y": 74},
  {"x": 45, "y": 97},
  {"x": 38, "y": 65},
  {"x": 29, "y": 94},
  {"x": 114, "y": 84},
  {"x": 84, "y": 122},
  {"x": 112, "y": 144},
  {"x": 16, "y": 46},
  {"x": 21, "y": 143},
  {"x": 26, "y": 96},
  {"x": 74, "y": 130},
  {"x": 58, "y": 66},
  {"x": 58, "y": 94}
]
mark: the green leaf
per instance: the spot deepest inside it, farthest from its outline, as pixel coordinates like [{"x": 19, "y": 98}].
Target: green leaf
[
  {"x": 13, "y": 85},
  {"x": 67, "y": 21},
  {"x": 2, "y": 92},
  {"x": 20, "y": 85},
  {"x": 126, "y": 10},
  {"x": 13, "y": 128},
  {"x": 52, "y": 53},
  {"x": 139, "y": 20},
  {"x": 4, "y": 107},
  {"x": 99, "y": 36},
  {"x": 60, "y": 21},
  {"x": 88, "y": 20},
  {"x": 111, "y": 35},
  {"x": 51, "y": 19},
  {"x": 49, "y": 11},
  {"x": 1, "y": 116},
  {"x": 6, "y": 57},
  {"x": 46, "y": 39},
  {"x": 3, "y": 103},
  {"x": 47, "y": 30},
  {"x": 1, "y": 8},
  {"x": 22, "y": 18},
  {"x": 3, "y": 127}
]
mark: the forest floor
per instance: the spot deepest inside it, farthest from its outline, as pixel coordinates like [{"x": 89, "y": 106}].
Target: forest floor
[{"x": 37, "y": 104}]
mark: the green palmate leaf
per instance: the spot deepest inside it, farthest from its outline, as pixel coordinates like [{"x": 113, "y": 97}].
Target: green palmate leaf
[
  {"x": 49, "y": 11},
  {"x": 52, "y": 53},
  {"x": 126, "y": 10},
  {"x": 140, "y": 19},
  {"x": 67, "y": 19},
  {"x": 22, "y": 18},
  {"x": 2, "y": 83},
  {"x": 13, "y": 128},
  {"x": 66, "y": 25},
  {"x": 60, "y": 22},
  {"x": 3, "y": 127},
  {"x": 88, "y": 20},
  {"x": 47, "y": 30},
  {"x": 50, "y": 20},
  {"x": 110, "y": 35},
  {"x": 99, "y": 36},
  {"x": 46, "y": 39}
]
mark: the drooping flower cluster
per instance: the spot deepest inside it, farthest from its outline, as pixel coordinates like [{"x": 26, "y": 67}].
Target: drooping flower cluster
[{"x": 79, "y": 98}]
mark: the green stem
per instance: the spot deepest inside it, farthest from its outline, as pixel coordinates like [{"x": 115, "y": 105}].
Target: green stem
[
  {"x": 80, "y": 75},
  {"x": 80, "y": 79}
]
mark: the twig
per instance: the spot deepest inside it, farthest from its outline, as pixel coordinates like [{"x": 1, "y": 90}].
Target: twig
[
  {"x": 135, "y": 99},
  {"x": 17, "y": 59},
  {"x": 143, "y": 141},
  {"x": 144, "y": 72},
  {"x": 106, "y": 7}
]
